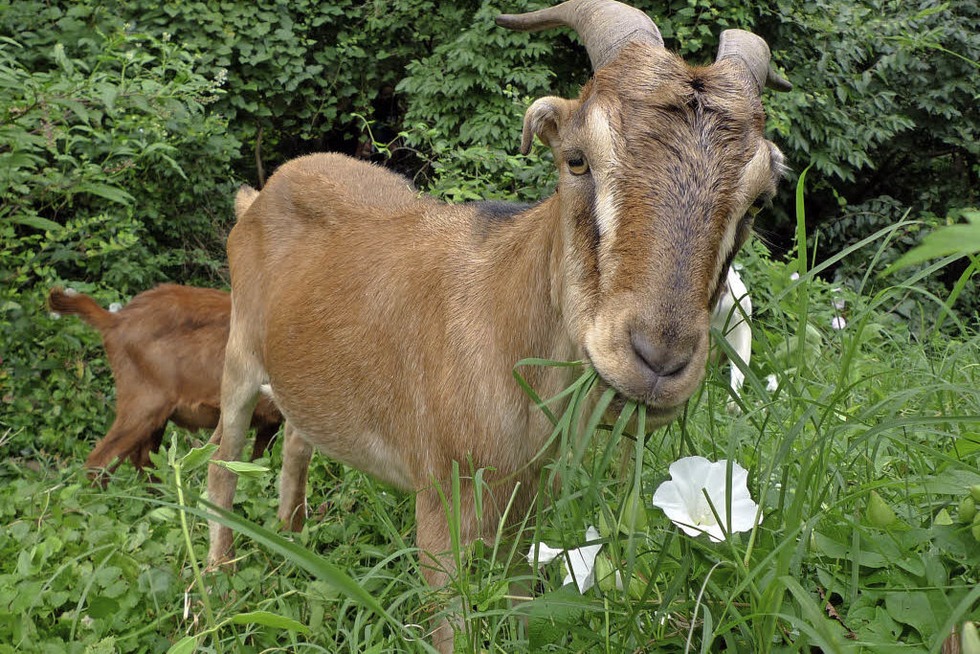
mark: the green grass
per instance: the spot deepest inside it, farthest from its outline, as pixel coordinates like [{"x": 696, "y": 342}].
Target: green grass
[{"x": 882, "y": 412}]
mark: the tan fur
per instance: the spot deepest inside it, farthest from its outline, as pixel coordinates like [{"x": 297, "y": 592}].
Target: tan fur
[
  {"x": 388, "y": 324},
  {"x": 166, "y": 349}
]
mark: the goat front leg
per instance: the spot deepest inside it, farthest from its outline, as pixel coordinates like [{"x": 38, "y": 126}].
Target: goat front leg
[
  {"x": 239, "y": 393},
  {"x": 432, "y": 539},
  {"x": 436, "y": 557},
  {"x": 296, "y": 455}
]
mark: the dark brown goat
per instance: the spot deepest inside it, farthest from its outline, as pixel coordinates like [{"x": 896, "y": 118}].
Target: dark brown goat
[{"x": 166, "y": 349}]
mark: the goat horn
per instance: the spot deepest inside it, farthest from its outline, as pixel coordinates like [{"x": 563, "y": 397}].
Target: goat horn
[
  {"x": 753, "y": 51},
  {"x": 605, "y": 26}
]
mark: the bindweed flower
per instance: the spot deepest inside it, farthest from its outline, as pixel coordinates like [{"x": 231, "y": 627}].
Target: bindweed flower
[
  {"x": 581, "y": 560},
  {"x": 693, "y": 481},
  {"x": 794, "y": 276},
  {"x": 838, "y": 323},
  {"x": 839, "y": 303},
  {"x": 772, "y": 383}
]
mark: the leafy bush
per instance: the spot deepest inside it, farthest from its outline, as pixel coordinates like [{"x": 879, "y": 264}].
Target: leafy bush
[
  {"x": 114, "y": 177},
  {"x": 885, "y": 110}
]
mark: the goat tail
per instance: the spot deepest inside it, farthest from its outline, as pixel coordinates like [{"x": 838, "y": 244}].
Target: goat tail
[
  {"x": 72, "y": 303},
  {"x": 243, "y": 200}
]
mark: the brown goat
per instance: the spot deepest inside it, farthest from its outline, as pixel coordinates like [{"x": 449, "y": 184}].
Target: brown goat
[
  {"x": 166, "y": 349},
  {"x": 388, "y": 323}
]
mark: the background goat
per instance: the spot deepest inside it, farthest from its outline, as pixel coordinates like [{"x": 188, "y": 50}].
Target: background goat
[
  {"x": 166, "y": 349},
  {"x": 388, "y": 324}
]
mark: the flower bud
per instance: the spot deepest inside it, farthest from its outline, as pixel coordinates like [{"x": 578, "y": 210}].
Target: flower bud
[
  {"x": 879, "y": 513},
  {"x": 634, "y": 514},
  {"x": 969, "y": 639},
  {"x": 966, "y": 510},
  {"x": 605, "y": 574},
  {"x": 606, "y": 530}
]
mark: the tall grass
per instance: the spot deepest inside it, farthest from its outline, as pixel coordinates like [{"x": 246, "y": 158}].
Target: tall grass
[{"x": 859, "y": 461}]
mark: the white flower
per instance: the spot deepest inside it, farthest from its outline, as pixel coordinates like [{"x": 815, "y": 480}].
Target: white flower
[
  {"x": 772, "y": 383},
  {"x": 683, "y": 498},
  {"x": 115, "y": 307},
  {"x": 544, "y": 554},
  {"x": 839, "y": 303},
  {"x": 581, "y": 560},
  {"x": 838, "y": 323},
  {"x": 794, "y": 276}
]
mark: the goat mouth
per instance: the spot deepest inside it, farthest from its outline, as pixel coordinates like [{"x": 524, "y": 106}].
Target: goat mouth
[{"x": 656, "y": 416}]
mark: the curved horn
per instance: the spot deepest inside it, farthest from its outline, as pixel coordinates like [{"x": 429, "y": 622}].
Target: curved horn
[
  {"x": 605, "y": 26},
  {"x": 753, "y": 51}
]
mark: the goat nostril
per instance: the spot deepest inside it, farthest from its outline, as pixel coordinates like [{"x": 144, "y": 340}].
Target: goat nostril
[{"x": 661, "y": 360}]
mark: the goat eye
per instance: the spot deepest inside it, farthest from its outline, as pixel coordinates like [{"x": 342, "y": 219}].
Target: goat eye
[{"x": 577, "y": 165}]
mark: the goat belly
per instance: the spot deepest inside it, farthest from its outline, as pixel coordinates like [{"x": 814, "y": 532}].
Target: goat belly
[{"x": 370, "y": 452}]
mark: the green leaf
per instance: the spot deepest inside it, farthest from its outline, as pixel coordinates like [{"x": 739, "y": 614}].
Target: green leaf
[
  {"x": 550, "y": 615},
  {"x": 952, "y": 239},
  {"x": 36, "y": 222},
  {"x": 268, "y": 619},
  {"x": 185, "y": 645},
  {"x": 62, "y": 59},
  {"x": 111, "y": 193},
  {"x": 162, "y": 514},
  {"x": 198, "y": 456},
  {"x": 102, "y": 607},
  {"x": 914, "y": 609},
  {"x": 243, "y": 468}
]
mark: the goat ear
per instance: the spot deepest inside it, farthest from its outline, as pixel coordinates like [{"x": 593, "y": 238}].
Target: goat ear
[
  {"x": 545, "y": 118},
  {"x": 243, "y": 200}
]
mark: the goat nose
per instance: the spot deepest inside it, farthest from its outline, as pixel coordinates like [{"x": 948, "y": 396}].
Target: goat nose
[{"x": 664, "y": 360}]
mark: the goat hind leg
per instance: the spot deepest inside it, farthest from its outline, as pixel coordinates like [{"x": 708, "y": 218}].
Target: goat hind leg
[
  {"x": 129, "y": 437},
  {"x": 296, "y": 454},
  {"x": 239, "y": 394},
  {"x": 263, "y": 436}
]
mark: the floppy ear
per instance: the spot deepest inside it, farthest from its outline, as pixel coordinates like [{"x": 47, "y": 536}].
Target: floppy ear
[{"x": 545, "y": 118}]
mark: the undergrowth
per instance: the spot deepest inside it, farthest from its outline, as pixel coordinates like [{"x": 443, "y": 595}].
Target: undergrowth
[{"x": 861, "y": 443}]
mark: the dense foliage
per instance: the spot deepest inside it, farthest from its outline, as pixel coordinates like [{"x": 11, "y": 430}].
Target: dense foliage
[{"x": 126, "y": 125}]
